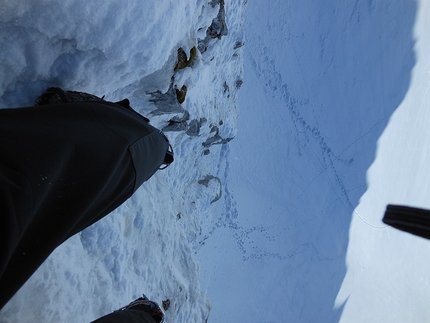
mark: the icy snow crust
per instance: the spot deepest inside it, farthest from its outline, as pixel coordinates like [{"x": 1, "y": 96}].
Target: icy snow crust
[{"x": 129, "y": 49}]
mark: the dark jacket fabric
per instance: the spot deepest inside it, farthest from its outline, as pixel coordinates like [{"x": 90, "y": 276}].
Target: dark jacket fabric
[
  {"x": 129, "y": 316},
  {"x": 409, "y": 219},
  {"x": 62, "y": 168}
]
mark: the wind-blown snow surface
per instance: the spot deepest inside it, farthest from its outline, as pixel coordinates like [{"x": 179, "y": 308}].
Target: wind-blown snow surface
[
  {"x": 388, "y": 275},
  {"x": 322, "y": 81},
  {"x": 129, "y": 49},
  {"x": 332, "y": 127}
]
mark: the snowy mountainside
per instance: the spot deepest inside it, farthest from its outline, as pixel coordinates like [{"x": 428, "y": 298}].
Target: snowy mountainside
[
  {"x": 130, "y": 50},
  {"x": 322, "y": 81}
]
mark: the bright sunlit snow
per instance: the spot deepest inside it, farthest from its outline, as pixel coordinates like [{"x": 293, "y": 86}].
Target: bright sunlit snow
[{"x": 272, "y": 209}]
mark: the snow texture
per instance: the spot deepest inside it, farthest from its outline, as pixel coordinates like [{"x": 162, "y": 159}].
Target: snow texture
[
  {"x": 129, "y": 50},
  {"x": 270, "y": 215},
  {"x": 332, "y": 127}
]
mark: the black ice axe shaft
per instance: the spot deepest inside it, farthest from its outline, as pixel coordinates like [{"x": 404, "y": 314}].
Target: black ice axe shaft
[{"x": 408, "y": 219}]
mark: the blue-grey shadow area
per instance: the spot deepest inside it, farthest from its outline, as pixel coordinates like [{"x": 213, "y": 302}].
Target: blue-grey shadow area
[
  {"x": 41, "y": 62},
  {"x": 321, "y": 82}
]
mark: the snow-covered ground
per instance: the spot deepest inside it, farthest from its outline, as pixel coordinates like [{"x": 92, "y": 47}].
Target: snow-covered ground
[
  {"x": 332, "y": 127},
  {"x": 329, "y": 126},
  {"x": 130, "y": 49},
  {"x": 388, "y": 275}
]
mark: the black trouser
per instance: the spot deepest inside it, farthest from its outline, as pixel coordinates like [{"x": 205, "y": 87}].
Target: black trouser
[
  {"x": 409, "y": 219},
  {"x": 129, "y": 316},
  {"x": 62, "y": 168}
]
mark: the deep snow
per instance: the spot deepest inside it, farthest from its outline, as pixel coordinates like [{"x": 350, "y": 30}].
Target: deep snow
[
  {"x": 388, "y": 270},
  {"x": 120, "y": 50},
  {"x": 322, "y": 81},
  {"x": 332, "y": 127}
]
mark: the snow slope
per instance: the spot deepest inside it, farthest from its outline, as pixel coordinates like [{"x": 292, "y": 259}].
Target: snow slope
[
  {"x": 388, "y": 273},
  {"x": 130, "y": 49},
  {"x": 322, "y": 81},
  {"x": 332, "y": 127}
]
